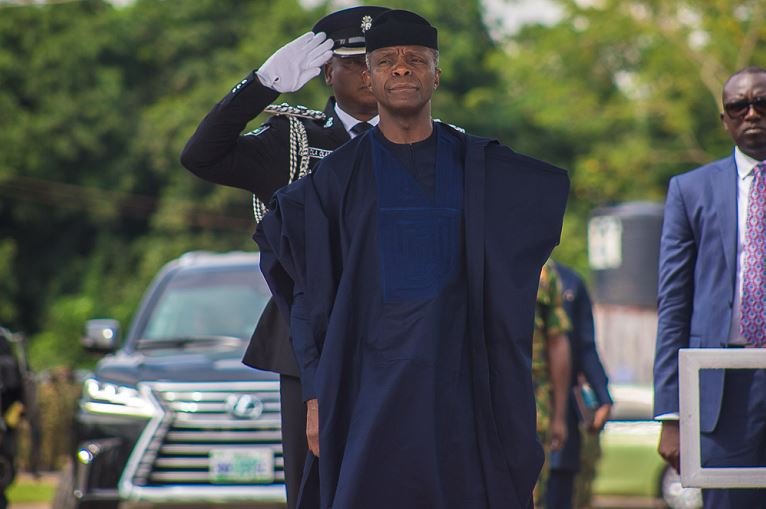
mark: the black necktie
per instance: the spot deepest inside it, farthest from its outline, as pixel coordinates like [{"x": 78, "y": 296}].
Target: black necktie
[{"x": 360, "y": 128}]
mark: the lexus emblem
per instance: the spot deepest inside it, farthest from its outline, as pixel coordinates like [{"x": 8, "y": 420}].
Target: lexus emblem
[{"x": 244, "y": 406}]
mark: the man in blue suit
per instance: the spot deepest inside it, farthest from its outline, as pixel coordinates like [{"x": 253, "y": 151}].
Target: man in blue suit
[
  {"x": 706, "y": 260},
  {"x": 564, "y": 463}
]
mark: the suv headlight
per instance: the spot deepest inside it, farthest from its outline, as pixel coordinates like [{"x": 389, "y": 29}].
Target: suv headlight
[{"x": 108, "y": 398}]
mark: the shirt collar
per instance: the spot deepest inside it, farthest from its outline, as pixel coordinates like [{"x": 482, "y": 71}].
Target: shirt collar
[
  {"x": 348, "y": 121},
  {"x": 744, "y": 162}
]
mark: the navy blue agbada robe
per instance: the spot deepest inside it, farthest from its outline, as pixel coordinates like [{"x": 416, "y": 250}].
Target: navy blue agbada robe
[{"x": 414, "y": 319}]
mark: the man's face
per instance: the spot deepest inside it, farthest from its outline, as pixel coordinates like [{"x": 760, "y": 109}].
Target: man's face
[
  {"x": 403, "y": 78},
  {"x": 345, "y": 76},
  {"x": 744, "y": 122}
]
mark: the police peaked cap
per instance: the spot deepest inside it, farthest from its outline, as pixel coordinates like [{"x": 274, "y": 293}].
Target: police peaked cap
[
  {"x": 346, "y": 27},
  {"x": 400, "y": 28}
]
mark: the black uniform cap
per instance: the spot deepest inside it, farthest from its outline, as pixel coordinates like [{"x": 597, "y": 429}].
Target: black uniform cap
[
  {"x": 346, "y": 27},
  {"x": 400, "y": 28}
]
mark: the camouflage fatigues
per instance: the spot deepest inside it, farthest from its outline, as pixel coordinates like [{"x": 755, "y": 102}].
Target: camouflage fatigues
[
  {"x": 589, "y": 456},
  {"x": 550, "y": 320}
]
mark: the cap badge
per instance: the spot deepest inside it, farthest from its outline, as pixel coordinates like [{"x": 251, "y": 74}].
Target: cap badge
[{"x": 366, "y": 23}]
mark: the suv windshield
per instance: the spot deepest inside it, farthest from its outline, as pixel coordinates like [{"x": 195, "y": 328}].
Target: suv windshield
[{"x": 207, "y": 304}]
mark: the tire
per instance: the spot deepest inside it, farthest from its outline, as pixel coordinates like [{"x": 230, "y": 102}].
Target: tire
[
  {"x": 64, "y": 497},
  {"x": 675, "y": 495}
]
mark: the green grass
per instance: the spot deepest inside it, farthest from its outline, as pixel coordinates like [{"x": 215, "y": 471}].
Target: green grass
[{"x": 26, "y": 489}]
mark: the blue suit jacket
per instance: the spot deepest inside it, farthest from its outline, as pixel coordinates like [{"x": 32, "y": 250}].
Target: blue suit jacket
[{"x": 696, "y": 281}]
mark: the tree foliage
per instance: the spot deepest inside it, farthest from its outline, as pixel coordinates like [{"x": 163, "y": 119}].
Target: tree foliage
[
  {"x": 96, "y": 102},
  {"x": 625, "y": 94}
]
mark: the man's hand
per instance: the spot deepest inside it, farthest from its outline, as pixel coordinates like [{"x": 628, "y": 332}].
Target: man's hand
[
  {"x": 600, "y": 416},
  {"x": 558, "y": 433},
  {"x": 670, "y": 444},
  {"x": 295, "y": 63},
  {"x": 312, "y": 426}
]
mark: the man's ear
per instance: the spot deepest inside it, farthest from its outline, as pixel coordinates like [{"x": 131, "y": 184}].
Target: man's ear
[
  {"x": 366, "y": 78},
  {"x": 437, "y": 77},
  {"x": 327, "y": 70}
]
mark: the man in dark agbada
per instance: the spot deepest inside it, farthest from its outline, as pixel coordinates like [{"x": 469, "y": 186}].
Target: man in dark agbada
[{"x": 408, "y": 264}]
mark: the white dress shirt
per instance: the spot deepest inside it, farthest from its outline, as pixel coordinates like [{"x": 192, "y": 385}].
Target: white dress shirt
[
  {"x": 348, "y": 121},
  {"x": 745, "y": 176}
]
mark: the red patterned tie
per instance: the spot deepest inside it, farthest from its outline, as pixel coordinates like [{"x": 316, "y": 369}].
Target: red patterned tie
[{"x": 753, "y": 325}]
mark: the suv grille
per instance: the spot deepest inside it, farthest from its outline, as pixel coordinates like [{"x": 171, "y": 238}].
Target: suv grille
[{"x": 201, "y": 418}]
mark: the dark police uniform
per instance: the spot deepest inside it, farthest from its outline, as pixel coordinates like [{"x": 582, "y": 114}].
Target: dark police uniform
[
  {"x": 283, "y": 149},
  {"x": 291, "y": 142},
  {"x": 261, "y": 162}
]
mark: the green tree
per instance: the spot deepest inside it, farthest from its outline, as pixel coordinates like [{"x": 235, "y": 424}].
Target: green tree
[
  {"x": 97, "y": 101},
  {"x": 625, "y": 94}
]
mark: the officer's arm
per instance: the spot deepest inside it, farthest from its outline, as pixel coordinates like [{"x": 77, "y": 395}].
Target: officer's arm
[
  {"x": 217, "y": 152},
  {"x": 258, "y": 163}
]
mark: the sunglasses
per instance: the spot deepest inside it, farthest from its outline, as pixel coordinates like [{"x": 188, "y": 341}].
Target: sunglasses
[{"x": 739, "y": 109}]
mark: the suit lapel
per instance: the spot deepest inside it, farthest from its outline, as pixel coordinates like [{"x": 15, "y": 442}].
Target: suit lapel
[
  {"x": 724, "y": 191},
  {"x": 333, "y": 124}
]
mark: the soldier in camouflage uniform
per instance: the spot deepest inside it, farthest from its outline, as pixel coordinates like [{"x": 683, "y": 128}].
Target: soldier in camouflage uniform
[
  {"x": 550, "y": 369},
  {"x": 573, "y": 469},
  {"x": 589, "y": 457},
  {"x": 285, "y": 148}
]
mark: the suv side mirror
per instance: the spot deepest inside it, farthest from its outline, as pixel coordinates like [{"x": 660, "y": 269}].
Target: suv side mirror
[{"x": 101, "y": 335}]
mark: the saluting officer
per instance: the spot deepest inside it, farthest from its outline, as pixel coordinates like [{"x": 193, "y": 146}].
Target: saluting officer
[{"x": 283, "y": 149}]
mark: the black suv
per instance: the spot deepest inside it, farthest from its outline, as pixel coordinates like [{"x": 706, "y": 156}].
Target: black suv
[{"x": 172, "y": 418}]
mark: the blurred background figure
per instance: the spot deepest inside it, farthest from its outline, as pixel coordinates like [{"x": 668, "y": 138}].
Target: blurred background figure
[
  {"x": 551, "y": 367},
  {"x": 58, "y": 393},
  {"x": 11, "y": 410},
  {"x": 589, "y": 402}
]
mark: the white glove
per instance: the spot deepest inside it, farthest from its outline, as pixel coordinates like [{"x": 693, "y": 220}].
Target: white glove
[{"x": 295, "y": 63}]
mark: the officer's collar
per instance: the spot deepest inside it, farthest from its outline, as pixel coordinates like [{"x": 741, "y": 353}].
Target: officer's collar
[{"x": 348, "y": 121}]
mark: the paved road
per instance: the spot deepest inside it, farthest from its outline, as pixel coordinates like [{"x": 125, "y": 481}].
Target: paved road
[
  {"x": 610, "y": 503},
  {"x": 627, "y": 503},
  {"x": 598, "y": 503}
]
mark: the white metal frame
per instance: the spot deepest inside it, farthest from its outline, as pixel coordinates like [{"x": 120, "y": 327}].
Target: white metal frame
[{"x": 691, "y": 361}]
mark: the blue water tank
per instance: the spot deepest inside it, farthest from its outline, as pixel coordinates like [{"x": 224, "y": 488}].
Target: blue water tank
[{"x": 623, "y": 252}]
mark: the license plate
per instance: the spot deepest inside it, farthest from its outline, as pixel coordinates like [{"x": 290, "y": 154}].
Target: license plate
[{"x": 242, "y": 465}]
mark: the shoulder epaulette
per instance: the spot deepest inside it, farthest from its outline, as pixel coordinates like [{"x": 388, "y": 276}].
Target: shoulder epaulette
[{"x": 294, "y": 111}]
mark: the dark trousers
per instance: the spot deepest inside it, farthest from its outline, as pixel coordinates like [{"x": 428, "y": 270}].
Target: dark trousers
[
  {"x": 294, "y": 445},
  {"x": 7, "y": 466},
  {"x": 739, "y": 439},
  {"x": 560, "y": 488},
  {"x": 565, "y": 463}
]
